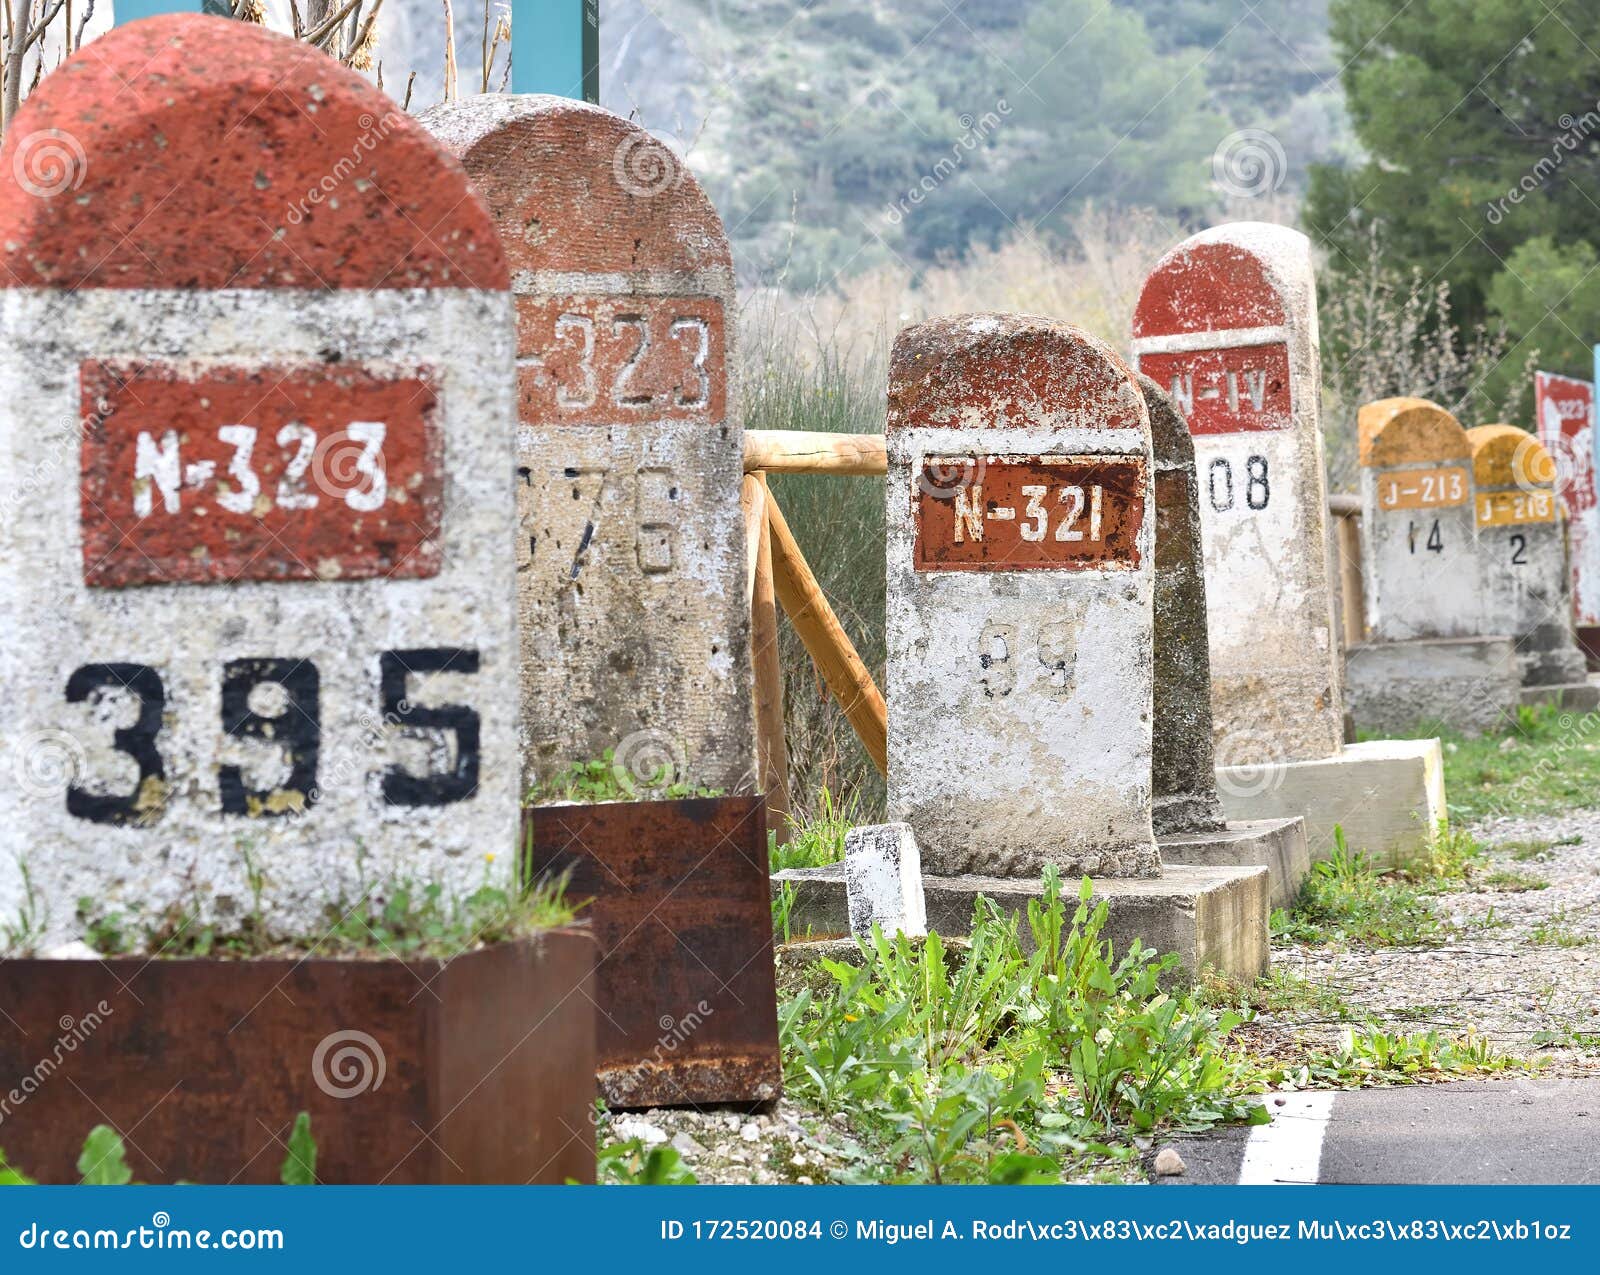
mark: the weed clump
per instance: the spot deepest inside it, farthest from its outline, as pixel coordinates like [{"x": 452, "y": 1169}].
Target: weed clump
[{"x": 983, "y": 1063}]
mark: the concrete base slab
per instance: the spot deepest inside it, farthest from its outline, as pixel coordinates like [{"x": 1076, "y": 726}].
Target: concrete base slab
[
  {"x": 1278, "y": 845},
  {"x": 1577, "y": 697},
  {"x": 1387, "y": 794},
  {"x": 1212, "y": 917},
  {"x": 1550, "y": 658},
  {"x": 1471, "y": 685}
]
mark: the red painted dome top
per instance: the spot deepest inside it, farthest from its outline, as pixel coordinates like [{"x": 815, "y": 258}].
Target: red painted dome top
[
  {"x": 996, "y": 370},
  {"x": 195, "y": 152},
  {"x": 575, "y": 187},
  {"x": 1208, "y": 286}
]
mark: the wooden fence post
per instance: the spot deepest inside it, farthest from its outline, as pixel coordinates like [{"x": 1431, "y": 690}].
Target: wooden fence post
[
  {"x": 825, "y": 639},
  {"x": 772, "y": 752}
]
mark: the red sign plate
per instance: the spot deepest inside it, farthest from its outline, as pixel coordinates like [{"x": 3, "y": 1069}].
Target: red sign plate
[
  {"x": 1234, "y": 390},
  {"x": 199, "y": 473},
  {"x": 1014, "y": 513},
  {"x": 611, "y": 360},
  {"x": 1564, "y": 408}
]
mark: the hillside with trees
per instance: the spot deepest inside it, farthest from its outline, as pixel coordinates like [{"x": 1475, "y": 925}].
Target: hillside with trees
[{"x": 839, "y": 135}]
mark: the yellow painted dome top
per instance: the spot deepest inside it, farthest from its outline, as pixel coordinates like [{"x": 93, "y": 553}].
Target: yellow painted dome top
[
  {"x": 1405, "y": 431},
  {"x": 1505, "y": 456}
]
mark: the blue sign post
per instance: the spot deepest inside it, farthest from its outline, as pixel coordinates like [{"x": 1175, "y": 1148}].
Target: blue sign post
[
  {"x": 127, "y": 11},
  {"x": 555, "y": 44},
  {"x": 555, "y": 48}
]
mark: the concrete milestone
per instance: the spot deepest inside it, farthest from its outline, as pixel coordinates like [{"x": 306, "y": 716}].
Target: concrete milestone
[
  {"x": 1419, "y": 533},
  {"x": 1524, "y": 581},
  {"x": 1021, "y": 532},
  {"x": 630, "y": 452},
  {"x": 1186, "y": 813},
  {"x": 260, "y": 649},
  {"x": 1021, "y": 569},
  {"x": 1432, "y": 658},
  {"x": 1227, "y": 324}
]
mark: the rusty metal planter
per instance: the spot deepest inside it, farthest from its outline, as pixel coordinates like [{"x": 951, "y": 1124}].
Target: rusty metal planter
[
  {"x": 681, "y": 913},
  {"x": 477, "y": 1069}
]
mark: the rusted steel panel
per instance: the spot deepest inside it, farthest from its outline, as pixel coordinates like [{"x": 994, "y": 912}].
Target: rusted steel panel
[
  {"x": 477, "y": 1070},
  {"x": 201, "y": 473},
  {"x": 1011, "y": 513},
  {"x": 681, "y": 911}
]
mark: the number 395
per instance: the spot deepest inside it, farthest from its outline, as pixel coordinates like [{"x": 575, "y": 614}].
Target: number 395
[{"x": 296, "y": 730}]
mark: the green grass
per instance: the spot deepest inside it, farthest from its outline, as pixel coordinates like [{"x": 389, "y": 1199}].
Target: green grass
[
  {"x": 104, "y": 1161},
  {"x": 398, "y": 920},
  {"x": 980, "y": 1063},
  {"x": 975, "y": 1062},
  {"x": 1538, "y": 851},
  {"x": 1505, "y": 882},
  {"x": 812, "y": 843},
  {"x": 607, "y": 779},
  {"x": 1368, "y": 1055},
  {"x": 1553, "y": 931},
  {"x": 1276, "y": 992},
  {"x": 815, "y": 842},
  {"x": 1548, "y": 762},
  {"x": 1347, "y": 901}
]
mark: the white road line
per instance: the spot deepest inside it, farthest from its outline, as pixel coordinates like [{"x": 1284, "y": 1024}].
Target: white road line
[{"x": 1289, "y": 1150}]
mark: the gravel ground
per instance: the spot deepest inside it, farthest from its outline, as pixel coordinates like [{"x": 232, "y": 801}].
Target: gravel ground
[
  {"x": 790, "y": 1144},
  {"x": 1502, "y": 977},
  {"x": 1524, "y": 972}
]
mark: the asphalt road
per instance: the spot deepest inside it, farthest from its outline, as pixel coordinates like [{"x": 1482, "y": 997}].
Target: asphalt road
[{"x": 1516, "y": 1132}]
